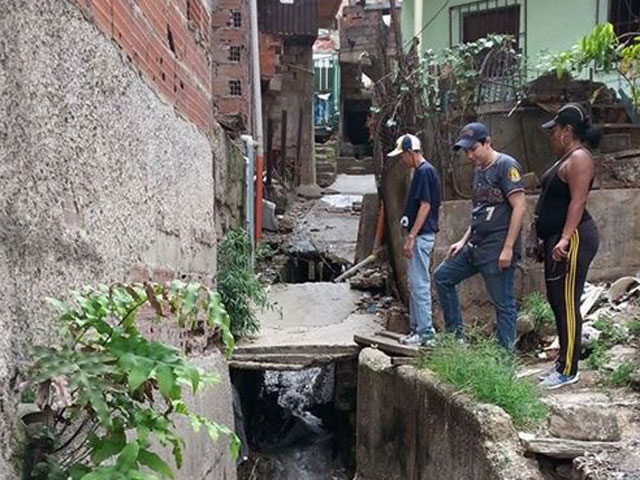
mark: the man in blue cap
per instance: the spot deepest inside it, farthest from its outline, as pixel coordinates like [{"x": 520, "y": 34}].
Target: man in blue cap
[
  {"x": 491, "y": 245},
  {"x": 421, "y": 222}
]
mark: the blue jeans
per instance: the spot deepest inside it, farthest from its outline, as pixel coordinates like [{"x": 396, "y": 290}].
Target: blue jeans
[
  {"x": 420, "y": 286},
  {"x": 499, "y": 284}
]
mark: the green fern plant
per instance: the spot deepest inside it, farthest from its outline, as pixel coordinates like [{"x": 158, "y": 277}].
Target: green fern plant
[
  {"x": 239, "y": 287},
  {"x": 110, "y": 393}
]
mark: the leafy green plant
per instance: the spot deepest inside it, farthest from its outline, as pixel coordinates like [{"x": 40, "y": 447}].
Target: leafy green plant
[
  {"x": 240, "y": 289},
  {"x": 621, "y": 376},
  {"x": 603, "y": 51},
  {"x": 451, "y": 77},
  {"x": 634, "y": 327},
  {"x": 610, "y": 334},
  {"x": 539, "y": 309},
  {"x": 110, "y": 393},
  {"x": 598, "y": 356},
  {"x": 487, "y": 372}
]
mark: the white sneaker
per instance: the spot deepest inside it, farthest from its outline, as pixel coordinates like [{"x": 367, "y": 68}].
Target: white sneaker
[
  {"x": 416, "y": 340},
  {"x": 428, "y": 342},
  {"x": 406, "y": 337},
  {"x": 413, "y": 339},
  {"x": 558, "y": 380}
]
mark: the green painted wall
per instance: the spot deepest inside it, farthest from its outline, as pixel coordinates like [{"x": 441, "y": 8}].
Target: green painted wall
[{"x": 552, "y": 25}]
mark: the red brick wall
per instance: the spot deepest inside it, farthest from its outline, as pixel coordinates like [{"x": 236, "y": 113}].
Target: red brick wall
[
  {"x": 169, "y": 42},
  {"x": 234, "y": 109},
  {"x": 271, "y": 49}
]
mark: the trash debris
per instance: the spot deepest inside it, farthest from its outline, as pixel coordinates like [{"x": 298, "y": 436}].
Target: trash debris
[
  {"x": 623, "y": 289},
  {"x": 591, "y": 296},
  {"x": 590, "y": 334}
]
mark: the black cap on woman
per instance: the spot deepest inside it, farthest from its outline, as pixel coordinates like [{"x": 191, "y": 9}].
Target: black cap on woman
[{"x": 575, "y": 116}]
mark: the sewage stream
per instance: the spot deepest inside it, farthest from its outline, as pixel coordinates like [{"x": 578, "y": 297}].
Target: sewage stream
[{"x": 299, "y": 425}]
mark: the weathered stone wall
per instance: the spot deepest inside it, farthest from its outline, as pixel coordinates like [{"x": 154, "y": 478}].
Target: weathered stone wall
[
  {"x": 229, "y": 178},
  {"x": 100, "y": 181},
  {"x": 204, "y": 460},
  {"x": 409, "y": 426},
  {"x": 295, "y": 96},
  {"x": 615, "y": 213}
]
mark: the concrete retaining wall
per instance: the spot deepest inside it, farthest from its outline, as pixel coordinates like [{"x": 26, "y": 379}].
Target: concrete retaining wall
[
  {"x": 615, "y": 212},
  {"x": 204, "y": 460},
  {"x": 100, "y": 181},
  {"x": 410, "y": 427}
]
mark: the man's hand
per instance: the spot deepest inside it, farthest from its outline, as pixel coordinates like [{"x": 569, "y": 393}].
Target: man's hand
[
  {"x": 504, "y": 261},
  {"x": 561, "y": 250},
  {"x": 455, "y": 248},
  {"x": 407, "y": 250}
]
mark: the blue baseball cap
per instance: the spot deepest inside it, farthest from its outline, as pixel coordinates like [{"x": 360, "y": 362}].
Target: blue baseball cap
[{"x": 471, "y": 134}]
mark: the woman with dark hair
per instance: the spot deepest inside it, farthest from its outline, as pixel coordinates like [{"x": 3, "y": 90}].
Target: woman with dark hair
[{"x": 568, "y": 233}]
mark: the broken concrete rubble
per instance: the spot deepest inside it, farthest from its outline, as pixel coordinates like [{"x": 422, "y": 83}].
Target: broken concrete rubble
[
  {"x": 583, "y": 422},
  {"x": 563, "y": 447}
]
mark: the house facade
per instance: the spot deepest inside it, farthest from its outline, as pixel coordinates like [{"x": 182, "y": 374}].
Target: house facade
[{"x": 539, "y": 26}]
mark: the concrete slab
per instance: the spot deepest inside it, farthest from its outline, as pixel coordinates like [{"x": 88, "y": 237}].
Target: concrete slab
[
  {"x": 310, "y": 318},
  {"x": 331, "y": 231},
  {"x": 341, "y": 200},
  {"x": 308, "y": 305},
  {"x": 356, "y": 184}
]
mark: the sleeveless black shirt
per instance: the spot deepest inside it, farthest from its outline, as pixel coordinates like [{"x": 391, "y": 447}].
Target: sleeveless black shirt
[{"x": 553, "y": 203}]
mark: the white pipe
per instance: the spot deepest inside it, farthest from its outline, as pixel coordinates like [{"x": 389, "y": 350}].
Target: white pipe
[
  {"x": 353, "y": 270},
  {"x": 250, "y": 205},
  {"x": 255, "y": 72}
]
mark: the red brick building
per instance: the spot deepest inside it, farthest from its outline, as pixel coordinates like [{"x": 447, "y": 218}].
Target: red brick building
[
  {"x": 287, "y": 34},
  {"x": 169, "y": 43},
  {"x": 231, "y": 53},
  {"x": 195, "y": 58}
]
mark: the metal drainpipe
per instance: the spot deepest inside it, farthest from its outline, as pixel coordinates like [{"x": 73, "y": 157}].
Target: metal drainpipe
[
  {"x": 257, "y": 121},
  {"x": 249, "y": 206}
]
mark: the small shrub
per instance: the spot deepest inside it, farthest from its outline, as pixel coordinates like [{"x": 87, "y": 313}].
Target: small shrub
[
  {"x": 598, "y": 356},
  {"x": 621, "y": 376},
  {"x": 487, "y": 372},
  {"x": 634, "y": 327},
  {"x": 612, "y": 333},
  {"x": 539, "y": 309},
  {"x": 238, "y": 285}
]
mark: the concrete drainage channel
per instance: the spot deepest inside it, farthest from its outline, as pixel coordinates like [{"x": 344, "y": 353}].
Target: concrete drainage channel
[
  {"x": 301, "y": 425},
  {"x": 310, "y": 267},
  {"x": 298, "y": 425}
]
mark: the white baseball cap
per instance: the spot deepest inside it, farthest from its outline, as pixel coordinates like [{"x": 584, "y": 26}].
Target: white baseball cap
[{"x": 405, "y": 143}]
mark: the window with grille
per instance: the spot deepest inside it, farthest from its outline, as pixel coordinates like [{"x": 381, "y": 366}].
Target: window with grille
[
  {"x": 235, "y": 88},
  {"x": 625, "y": 16},
  {"x": 236, "y": 18},
  {"x": 506, "y": 21},
  {"x": 470, "y": 21},
  {"x": 234, "y": 53}
]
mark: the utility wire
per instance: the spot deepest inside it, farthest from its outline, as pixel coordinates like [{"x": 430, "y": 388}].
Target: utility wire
[{"x": 428, "y": 23}]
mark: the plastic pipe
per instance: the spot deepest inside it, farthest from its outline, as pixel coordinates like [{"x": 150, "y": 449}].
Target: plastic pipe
[{"x": 257, "y": 119}]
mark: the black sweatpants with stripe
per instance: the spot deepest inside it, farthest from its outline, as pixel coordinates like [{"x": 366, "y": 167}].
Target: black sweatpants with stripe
[{"x": 565, "y": 283}]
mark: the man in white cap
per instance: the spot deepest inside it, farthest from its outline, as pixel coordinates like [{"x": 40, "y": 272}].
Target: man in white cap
[{"x": 421, "y": 222}]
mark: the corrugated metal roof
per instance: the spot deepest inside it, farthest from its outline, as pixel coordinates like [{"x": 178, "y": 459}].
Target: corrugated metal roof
[{"x": 296, "y": 17}]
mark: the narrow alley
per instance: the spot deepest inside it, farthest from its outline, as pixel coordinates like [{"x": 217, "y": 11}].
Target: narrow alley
[{"x": 320, "y": 240}]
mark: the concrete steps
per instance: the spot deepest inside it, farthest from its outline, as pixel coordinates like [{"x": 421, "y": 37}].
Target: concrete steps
[
  {"x": 325, "y": 157},
  {"x": 355, "y": 166}
]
